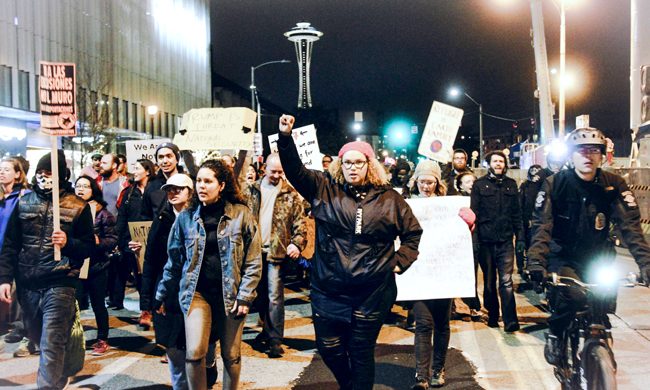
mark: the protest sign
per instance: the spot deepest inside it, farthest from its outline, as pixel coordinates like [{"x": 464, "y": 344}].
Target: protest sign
[
  {"x": 439, "y": 134},
  {"x": 307, "y": 144},
  {"x": 216, "y": 129},
  {"x": 139, "y": 233},
  {"x": 445, "y": 265},
  {"x": 57, "y": 94},
  {"x": 142, "y": 149}
]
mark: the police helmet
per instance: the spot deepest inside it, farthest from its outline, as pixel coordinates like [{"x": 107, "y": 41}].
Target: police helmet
[{"x": 586, "y": 136}]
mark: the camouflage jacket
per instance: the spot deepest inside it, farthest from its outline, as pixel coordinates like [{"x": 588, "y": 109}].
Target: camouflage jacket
[{"x": 288, "y": 225}]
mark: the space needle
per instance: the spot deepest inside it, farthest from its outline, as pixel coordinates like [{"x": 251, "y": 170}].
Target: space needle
[{"x": 303, "y": 36}]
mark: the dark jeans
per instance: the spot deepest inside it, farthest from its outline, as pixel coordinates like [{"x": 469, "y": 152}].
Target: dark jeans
[
  {"x": 431, "y": 318},
  {"x": 16, "y": 313},
  {"x": 118, "y": 274},
  {"x": 96, "y": 290},
  {"x": 49, "y": 315},
  {"x": 565, "y": 302},
  {"x": 348, "y": 348},
  {"x": 498, "y": 257},
  {"x": 270, "y": 300}
]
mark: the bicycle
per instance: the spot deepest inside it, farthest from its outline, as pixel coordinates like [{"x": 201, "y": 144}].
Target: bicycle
[{"x": 587, "y": 360}]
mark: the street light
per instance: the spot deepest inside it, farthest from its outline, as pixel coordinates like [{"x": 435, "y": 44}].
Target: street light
[
  {"x": 152, "y": 110},
  {"x": 455, "y": 92}
]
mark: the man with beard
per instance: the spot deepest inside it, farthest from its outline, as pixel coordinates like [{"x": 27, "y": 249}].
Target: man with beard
[
  {"x": 112, "y": 183},
  {"x": 498, "y": 217},
  {"x": 46, "y": 287},
  {"x": 456, "y": 166}
]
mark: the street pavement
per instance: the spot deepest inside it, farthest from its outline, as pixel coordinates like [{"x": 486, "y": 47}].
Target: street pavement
[{"x": 479, "y": 357}]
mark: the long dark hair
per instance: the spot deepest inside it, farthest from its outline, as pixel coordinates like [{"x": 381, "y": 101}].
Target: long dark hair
[
  {"x": 224, "y": 174},
  {"x": 149, "y": 167},
  {"x": 97, "y": 195}
]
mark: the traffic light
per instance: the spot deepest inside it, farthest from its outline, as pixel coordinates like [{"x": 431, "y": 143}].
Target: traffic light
[{"x": 645, "y": 88}]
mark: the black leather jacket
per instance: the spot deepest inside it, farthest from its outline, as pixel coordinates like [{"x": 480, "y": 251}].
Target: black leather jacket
[
  {"x": 28, "y": 253},
  {"x": 498, "y": 214},
  {"x": 571, "y": 221}
]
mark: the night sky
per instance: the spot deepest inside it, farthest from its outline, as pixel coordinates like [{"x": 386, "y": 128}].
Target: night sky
[{"x": 398, "y": 56}]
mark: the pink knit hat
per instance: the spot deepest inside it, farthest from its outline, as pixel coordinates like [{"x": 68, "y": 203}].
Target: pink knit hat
[{"x": 358, "y": 146}]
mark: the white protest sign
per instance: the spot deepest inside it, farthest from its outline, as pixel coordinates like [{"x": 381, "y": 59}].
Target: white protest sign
[
  {"x": 216, "y": 129},
  {"x": 142, "y": 149},
  {"x": 307, "y": 144},
  {"x": 440, "y": 132},
  {"x": 445, "y": 265}
]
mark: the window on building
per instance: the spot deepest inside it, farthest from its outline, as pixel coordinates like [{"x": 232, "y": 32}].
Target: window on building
[
  {"x": 115, "y": 106},
  {"x": 5, "y": 85},
  {"x": 82, "y": 104},
  {"x": 125, "y": 115},
  {"x": 142, "y": 119},
  {"x": 134, "y": 121},
  {"x": 23, "y": 90},
  {"x": 166, "y": 125},
  {"x": 94, "y": 107},
  {"x": 172, "y": 124},
  {"x": 37, "y": 106},
  {"x": 104, "y": 105}
]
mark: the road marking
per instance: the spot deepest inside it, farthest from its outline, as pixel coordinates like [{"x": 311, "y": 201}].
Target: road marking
[{"x": 107, "y": 373}]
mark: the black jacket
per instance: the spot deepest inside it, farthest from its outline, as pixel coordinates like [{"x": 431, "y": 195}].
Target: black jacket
[
  {"x": 105, "y": 230},
  {"x": 155, "y": 256},
  {"x": 571, "y": 221},
  {"x": 351, "y": 270},
  {"x": 27, "y": 251},
  {"x": 154, "y": 198},
  {"x": 449, "y": 177},
  {"x": 498, "y": 215}
]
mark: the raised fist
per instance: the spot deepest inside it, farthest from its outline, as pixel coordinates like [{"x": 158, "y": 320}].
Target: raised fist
[{"x": 286, "y": 124}]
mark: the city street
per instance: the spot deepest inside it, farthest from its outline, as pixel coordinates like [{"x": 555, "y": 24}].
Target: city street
[{"x": 479, "y": 358}]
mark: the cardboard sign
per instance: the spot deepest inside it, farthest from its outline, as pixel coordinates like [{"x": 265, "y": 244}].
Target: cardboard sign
[
  {"x": 445, "y": 265},
  {"x": 440, "y": 132},
  {"x": 307, "y": 144},
  {"x": 57, "y": 93},
  {"x": 142, "y": 149},
  {"x": 216, "y": 129},
  {"x": 140, "y": 233}
]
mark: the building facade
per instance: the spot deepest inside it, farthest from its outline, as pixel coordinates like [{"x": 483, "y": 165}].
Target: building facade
[{"x": 129, "y": 55}]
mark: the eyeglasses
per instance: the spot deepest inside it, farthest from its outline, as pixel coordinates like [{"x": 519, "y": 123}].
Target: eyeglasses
[
  {"x": 83, "y": 187},
  {"x": 589, "y": 150},
  {"x": 459, "y": 159},
  {"x": 427, "y": 183},
  {"x": 327, "y": 161},
  {"x": 357, "y": 164},
  {"x": 175, "y": 190}
]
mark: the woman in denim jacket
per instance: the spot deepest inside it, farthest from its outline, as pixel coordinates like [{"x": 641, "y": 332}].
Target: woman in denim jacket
[{"x": 215, "y": 263}]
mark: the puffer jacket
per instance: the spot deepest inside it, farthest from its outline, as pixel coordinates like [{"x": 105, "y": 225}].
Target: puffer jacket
[
  {"x": 241, "y": 256},
  {"x": 351, "y": 269},
  {"x": 288, "y": 225},
  {"x": 28, "y": 253},
  {"x": 105, "y": 230}
]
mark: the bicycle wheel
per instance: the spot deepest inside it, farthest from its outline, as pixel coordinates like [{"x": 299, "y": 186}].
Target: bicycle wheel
[{"x": 600, "y": 372}]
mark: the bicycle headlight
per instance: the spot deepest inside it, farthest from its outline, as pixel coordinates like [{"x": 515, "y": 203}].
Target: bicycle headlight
[{"x": 606, "y": 276}]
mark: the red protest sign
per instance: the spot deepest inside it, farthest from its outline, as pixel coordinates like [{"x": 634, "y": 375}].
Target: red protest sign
[{"x": 57, "y": 93}]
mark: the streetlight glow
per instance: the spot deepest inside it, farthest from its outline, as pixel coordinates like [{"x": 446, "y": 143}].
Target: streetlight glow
[
  {"x": 152, "y": 110},
  {"x": 357, "y": 126},
  {"x": 454, "y": 92}
]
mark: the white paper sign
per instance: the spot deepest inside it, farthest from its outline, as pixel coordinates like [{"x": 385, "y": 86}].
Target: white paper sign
[
  {"x": 216, "y": 129},
  {"x": 445, "y": 265},
  {"x": 307, "y": 145},
  {"x": 440, "y": 132},
  {"x": 139, "y": 149}
]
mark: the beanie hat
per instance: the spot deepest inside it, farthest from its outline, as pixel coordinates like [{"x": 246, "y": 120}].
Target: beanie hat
[
  {"x": 358, "y": 146},
  {"x": 171, "y": 146},
  {"x": 427, "y": 167},
  {"x": 45, "y": 164}
]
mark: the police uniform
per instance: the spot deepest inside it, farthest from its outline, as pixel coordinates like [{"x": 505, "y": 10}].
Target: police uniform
[{"x": 571, "y": 224}]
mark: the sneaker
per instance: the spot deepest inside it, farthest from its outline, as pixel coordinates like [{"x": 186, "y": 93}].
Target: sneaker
[
  {"x": 511, "y": 327},
  {"x": 552, "y": 349},
  {"x": 211, "y": 375},
  {"x": 475, "y": 315},
  {"x": 15, "y": 336},
  {"x": 25, "y": 348},
  {"x": 145, "y": 319},
  {"x": 438, "y": 378},
  {"x": 421, "y": 384},
  {"x": 100, "y": 348},
  {"x": 163, "y": 359},
  {"x": 275, "y": 350}
]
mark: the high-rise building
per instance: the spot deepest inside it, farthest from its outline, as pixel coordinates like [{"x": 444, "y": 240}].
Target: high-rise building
[{"x": 303, "y": 36}]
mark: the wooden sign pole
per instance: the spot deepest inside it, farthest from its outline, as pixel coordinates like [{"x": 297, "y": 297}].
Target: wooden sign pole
[{"x": 55, "y": 192}]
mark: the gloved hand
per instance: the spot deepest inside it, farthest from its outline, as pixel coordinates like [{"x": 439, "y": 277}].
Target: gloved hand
[
  {"x": 537, "y": 272},
  {"x": 467, "y": 215},
  {"x": 645, "y": 274},
  {"x": 520, "y": 246}
]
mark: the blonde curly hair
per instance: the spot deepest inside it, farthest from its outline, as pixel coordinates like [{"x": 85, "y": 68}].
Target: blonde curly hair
[{"x": 376, "y": 174}]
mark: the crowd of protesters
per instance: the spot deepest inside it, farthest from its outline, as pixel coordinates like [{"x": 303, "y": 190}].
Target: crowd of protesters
[{"x": 222, "y": 237}]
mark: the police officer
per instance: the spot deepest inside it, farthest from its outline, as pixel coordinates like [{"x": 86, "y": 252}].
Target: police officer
[{"x": 571, "y": 224}]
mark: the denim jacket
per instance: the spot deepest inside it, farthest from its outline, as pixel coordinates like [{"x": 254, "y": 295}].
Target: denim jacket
[{"x": 240, "y": 253}]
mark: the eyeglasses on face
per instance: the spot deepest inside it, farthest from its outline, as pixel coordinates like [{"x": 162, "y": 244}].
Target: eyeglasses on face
[
  {"x": 427, "y": 182},
  {"x": 589, "y": 150},
  {"x": 461, "y": 158},
  {"x": 83, "y": 187},
  {"x": 357, "y": 164},
  {"x": 175, "y": 190}
]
